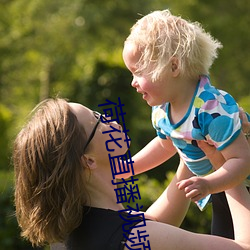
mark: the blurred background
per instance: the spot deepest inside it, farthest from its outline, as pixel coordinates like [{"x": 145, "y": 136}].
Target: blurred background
[{"x": 72, "y": 48}]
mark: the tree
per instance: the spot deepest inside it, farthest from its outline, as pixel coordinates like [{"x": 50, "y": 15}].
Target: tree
[{"x": 72, "y": 48}]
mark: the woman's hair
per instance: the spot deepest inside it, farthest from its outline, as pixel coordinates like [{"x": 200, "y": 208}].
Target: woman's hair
[
  {"x": 160, "y": 36},
  {"x": 49, "y": 182}
]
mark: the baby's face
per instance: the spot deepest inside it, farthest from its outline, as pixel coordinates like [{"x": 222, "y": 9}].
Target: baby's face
[{"x": 154, "y": 93}]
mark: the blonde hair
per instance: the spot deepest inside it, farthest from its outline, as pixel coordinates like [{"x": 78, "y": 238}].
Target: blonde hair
[
  {"x": 160, "y": 36},
  {"x": 49, "y": 186}
]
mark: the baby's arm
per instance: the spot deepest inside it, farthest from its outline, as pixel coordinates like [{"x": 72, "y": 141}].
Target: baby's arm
[
  {"x": 152, "y": 155},
  {"x": 234, "y": 171}
]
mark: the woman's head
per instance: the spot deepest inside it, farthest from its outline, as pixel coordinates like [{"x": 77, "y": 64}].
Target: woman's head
[
  {"x": 49, "y": 167},
  {"x": 161, "y": 36}
]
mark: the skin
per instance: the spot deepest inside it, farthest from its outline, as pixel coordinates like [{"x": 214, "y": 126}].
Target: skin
[
  {"x": 162, "y": 236},
  {"x": 167, "y": 208},
  {"x": 245, "y": 122},
  {"x": 178, "y": 91},
  {"x": 102, "y": 195},
  {"x": 211, "y": 151},
  {"x": 99, "y": 181},
  {"x": 168, "y": 89}
]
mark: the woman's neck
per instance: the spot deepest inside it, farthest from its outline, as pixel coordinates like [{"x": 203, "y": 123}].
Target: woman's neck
[{"x": 101, "y": 190}]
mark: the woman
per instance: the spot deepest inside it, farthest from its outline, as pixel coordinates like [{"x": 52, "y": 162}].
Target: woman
[{"x": 63, "y": 184}]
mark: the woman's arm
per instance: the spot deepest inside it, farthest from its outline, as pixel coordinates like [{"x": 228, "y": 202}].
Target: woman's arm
[
  {"x": 245, "y": 123},
  {"x": 162, "y": 236},
  {"x": 239, "y": 203}
]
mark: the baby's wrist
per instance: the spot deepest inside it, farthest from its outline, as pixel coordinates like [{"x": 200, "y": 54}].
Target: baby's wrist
[{"x": 209, "y": 185}]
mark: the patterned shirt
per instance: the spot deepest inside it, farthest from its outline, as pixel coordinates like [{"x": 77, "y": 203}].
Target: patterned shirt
[{"x": 213, "y": 115}]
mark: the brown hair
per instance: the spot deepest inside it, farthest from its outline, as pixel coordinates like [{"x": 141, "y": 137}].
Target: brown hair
[{"x": 49, "y": 184}]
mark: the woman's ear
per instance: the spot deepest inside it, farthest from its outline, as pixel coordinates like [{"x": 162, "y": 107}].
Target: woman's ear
[
  {"x": 175, "y": 66},
  {"x": 89, "y": 161}
]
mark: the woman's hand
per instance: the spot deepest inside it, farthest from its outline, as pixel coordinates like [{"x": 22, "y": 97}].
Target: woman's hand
[{"x": 245, "y": 124}]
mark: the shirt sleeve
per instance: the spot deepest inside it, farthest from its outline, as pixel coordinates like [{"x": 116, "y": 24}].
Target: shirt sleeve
[
  {"x": 219, "y": 120},
  {"x": 159, "y": 121}
]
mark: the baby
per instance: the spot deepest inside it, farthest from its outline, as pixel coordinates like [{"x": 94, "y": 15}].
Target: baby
[{"x": 170, "y": 59}]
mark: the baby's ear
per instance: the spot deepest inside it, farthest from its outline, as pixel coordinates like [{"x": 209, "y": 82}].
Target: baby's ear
[
  {"x": 175, "y": 66},
  {"x": 89, "y": 161}
]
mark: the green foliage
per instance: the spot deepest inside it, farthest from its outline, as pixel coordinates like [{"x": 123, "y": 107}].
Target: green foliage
[
  {"x": 230, "y": 71},
  {"x": 245, "y": 103},
  {"x": 9, "y": 231},
  {"x": 5, "y": 123},
  {"x": 73, "y": 48}
]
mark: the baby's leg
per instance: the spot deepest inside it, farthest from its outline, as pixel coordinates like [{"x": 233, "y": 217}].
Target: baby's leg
[{"x": 171, "y": 207}]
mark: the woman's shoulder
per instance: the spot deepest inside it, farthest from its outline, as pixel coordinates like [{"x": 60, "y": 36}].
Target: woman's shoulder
[{"x": 99, "y": 227}]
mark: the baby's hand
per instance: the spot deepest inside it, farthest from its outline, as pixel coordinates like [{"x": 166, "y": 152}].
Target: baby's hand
[{"x": 195, "y": 187}]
